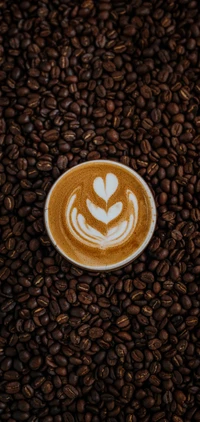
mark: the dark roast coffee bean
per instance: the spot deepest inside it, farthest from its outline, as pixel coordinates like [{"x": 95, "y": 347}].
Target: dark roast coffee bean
[
  {"x": 95, "y": 333},
  {"x": 12, "y": 387},
  {"x": 86, "y": 81},
  {"x": 70, "y": 391},
  {"x": 142, "y": 375}
]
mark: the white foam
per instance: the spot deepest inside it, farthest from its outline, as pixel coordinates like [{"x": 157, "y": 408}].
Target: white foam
[
  {"x": 102, "y": 215},
  {"x": 105, "y": 189},
  {"x": 112, "y": 235}
]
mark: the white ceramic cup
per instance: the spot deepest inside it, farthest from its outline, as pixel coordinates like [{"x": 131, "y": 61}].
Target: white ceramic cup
[{"x": 132, "y": 256}]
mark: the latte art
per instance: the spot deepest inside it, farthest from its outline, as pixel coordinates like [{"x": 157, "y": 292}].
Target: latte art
[
  {"x": 99, "y": 215},
  {"x": 115, "y": 232}
]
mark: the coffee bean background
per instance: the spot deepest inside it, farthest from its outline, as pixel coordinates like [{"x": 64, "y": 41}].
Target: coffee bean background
[{"x": 85, "y": 80}]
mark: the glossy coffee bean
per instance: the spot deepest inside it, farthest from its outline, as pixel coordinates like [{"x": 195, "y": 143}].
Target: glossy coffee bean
[{"x": 86, "y": 81}]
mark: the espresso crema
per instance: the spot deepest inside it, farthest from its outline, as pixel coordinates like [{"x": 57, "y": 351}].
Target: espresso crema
[{"x": 99, "y": 214}]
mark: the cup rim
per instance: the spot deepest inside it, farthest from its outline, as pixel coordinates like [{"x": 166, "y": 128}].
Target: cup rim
[{"x": 130, "y": 258}]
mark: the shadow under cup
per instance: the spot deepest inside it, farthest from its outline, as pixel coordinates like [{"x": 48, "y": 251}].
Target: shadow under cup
[{"x": 79, "y": 195}]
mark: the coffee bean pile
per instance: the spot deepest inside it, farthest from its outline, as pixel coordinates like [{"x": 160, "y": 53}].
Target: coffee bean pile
[{"x": 79, "y": 81}]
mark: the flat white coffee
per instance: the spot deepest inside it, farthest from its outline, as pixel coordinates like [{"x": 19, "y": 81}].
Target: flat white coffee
[{"x": 99, "y": 214}]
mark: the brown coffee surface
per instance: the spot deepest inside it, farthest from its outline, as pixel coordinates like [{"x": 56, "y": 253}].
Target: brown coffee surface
[{"x": 99, "y": 214}]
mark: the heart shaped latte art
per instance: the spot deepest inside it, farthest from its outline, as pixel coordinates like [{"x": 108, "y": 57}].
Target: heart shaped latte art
[
  {"x": 105, "y": 189},
  {"x": 116, "y": 232}
]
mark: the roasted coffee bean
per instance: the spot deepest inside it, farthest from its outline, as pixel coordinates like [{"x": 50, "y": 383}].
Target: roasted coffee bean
[
  {"x": 70, "y": 391},
  {"x": 51, "y": 135},
  {"x": 86, "y": 81},
  {"x": 142, "y": 375},
  {"x": 137, "y": 355},
  {"x": 12, "y": 387},
  {"x": 95, "y": 333},
  {"x": 154, "y": 344},
  {"x": 122, "y": 321}
]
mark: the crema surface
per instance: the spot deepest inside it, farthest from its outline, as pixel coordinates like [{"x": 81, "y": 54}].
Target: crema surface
[{"x": 99, "y": 214}]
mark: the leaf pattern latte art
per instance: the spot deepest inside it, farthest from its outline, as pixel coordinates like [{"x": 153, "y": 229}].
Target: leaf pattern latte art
[{"x": 116, "y": 232}]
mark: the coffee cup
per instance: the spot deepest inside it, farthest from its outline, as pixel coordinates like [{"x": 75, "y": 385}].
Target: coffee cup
[{"x": 100, "y": 215}]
